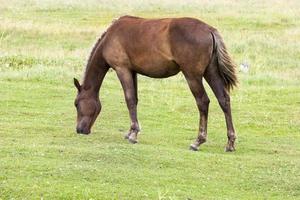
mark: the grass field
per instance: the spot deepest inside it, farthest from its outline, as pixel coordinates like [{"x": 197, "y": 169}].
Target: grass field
[{"x": 44, "y": 44}]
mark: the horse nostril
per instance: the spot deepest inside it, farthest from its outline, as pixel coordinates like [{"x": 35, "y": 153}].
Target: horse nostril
[
  {"x": 86, "y": 132},
  {"x": 82, "y": 131},
  {"x": 78, "y": 130}
]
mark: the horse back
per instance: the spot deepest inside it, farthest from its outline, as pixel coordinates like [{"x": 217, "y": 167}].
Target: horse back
[{"x": 148, "y": 44}]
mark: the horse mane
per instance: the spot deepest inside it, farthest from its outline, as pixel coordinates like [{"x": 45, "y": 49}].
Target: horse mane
[
  {"x": 89, "y": 60},
  {"x": 93, "y": 51}
]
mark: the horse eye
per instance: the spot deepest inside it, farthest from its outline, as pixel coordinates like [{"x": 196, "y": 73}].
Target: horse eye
[{"x": 76, "y": 104}]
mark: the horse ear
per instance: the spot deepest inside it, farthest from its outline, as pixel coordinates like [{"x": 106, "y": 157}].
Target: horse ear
[{"x": 77, "y": 84}]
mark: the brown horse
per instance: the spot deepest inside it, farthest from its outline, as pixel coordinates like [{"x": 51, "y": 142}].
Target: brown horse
[{"x": 158, "y": 48}]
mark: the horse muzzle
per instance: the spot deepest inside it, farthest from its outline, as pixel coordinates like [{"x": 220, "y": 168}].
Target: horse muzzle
[{"x": 82, "y": 131}]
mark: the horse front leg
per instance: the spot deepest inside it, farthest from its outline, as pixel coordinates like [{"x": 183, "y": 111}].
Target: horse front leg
[{"x": 128, "y": 82}]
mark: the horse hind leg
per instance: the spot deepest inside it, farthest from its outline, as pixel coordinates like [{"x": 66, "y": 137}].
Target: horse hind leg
[
  {"x": 217, "y": 84},
  {"x": 202, "y": 100}
]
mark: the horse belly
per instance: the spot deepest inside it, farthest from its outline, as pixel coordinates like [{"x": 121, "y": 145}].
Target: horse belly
[{"x": 156, "y": 67}]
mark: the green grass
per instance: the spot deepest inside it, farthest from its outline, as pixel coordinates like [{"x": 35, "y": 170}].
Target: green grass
[{"x": 44, "y": 44}]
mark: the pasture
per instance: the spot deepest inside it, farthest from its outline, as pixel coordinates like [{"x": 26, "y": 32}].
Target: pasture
[{"x": 44, "y": 44}]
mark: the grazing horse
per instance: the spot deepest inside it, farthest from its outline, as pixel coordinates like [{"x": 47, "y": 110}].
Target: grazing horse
[{"x": 158, "y": 48}]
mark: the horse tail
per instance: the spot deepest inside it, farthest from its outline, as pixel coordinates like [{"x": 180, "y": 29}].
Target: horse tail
[{"x": 226, "y": 66}]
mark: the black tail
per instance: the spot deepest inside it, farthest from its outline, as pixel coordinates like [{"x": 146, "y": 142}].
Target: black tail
[{"x": 226, "y": 66}]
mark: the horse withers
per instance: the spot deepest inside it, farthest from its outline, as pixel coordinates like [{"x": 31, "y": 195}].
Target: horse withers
[{"x": 158, "y": 48}]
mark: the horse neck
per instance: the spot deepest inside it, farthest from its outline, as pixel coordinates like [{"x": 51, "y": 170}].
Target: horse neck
[{"x": 96, "y": 70}]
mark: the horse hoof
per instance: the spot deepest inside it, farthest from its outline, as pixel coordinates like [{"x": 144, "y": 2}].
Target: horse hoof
[
  {"x": 193, "y": 147},
  {"x": 229, "y": 149},
  {"x": 132, "y": 141}
]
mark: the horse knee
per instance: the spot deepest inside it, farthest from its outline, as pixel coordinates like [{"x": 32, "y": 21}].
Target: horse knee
[{"x": 131, "y": 101}]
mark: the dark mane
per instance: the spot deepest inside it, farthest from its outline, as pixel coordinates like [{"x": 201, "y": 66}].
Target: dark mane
[{"x": 94, "y": 49}]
